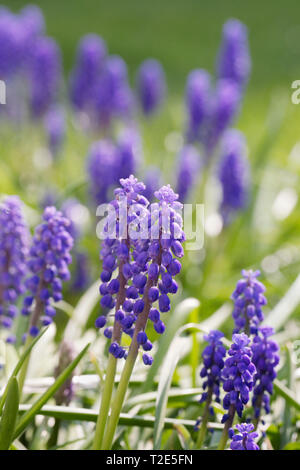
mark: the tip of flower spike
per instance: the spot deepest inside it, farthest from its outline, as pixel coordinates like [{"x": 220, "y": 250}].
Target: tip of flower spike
[
  {"x": 267, "y": 331},
  {"x": 241, "y": 339},
  {"x": 131, "y": 184},
  {"x": 166, "y": 194}
]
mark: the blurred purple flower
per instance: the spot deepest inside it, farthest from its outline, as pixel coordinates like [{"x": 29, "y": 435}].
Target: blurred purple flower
[
  {"x": 113, "y": 97},
  {"x": 198, "y": 102},
  {"x": 188, "y": 171},
  {"x": 234, "y": 173},
  {"x": 151, "y": 86},
  {"x": 91, "y": 55},
  {"x": 55, "y": 126},
  {"x": 225, "y": 106},
  {"x": 234, "y": 61},
  {"x": 45, "y": 75}
]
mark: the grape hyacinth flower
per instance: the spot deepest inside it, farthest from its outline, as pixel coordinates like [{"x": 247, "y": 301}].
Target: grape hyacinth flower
[
  {"x": 113, "y": 97},
  {"x": 151, "y": 86},
  {"x": 238, "y": 379},
  {"x": 152, "y": 181},
  {"x": 10, "y": 44},
  {"x": 55, "y": 127},
  {"x": 45, "y": 75},
  {"x": 213, "y": 360},
  {"x": 234, "y": 61},
  {"x": 189, "y": 165},
  {"x": 248, "y": 302},
  {"x": 148, "y": 266},
  {"x": 81, "y": 277},
  {"x": 233, "y": 173},
  {"x": 48, "y": 262},
  {"x": 129, "y": 153},
  {"x": 244, "y": 438},
  {"x": 102, "y": 167},
  {"x": 143, "y": 253},
  {"x": 14, "y": 241},
  {"x": 224, "y": 108},
  {"x": 265, "y": 359},
  {"x": 91, "y": 56},
  {"x": 198, "y": 103}
]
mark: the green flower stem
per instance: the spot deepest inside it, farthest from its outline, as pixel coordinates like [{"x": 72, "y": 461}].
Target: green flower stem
[
  {"x": 127, "y": 371},
  {"x": 228, "y": 424},
  {"x": 24, "y": 368},
  {"x": 111, "y": 369},
  {"x": 119, "y": 400},
  {"x": 105, "y": 402},
  {"x": 203, "y": 428}
]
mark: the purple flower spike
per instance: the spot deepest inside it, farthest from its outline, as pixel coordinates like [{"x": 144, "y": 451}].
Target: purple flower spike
[
  {"x": 188, "y": 171},
  {"x": 55, "y": 127},
  {"x": 45, "y": 75},
  {"x": 248, "y": 302},
  {"x": 233, "y": 173},
  {"x": 244, "y": 438},
  {"x": 91, "y": 55},
  {"x": 238, "y": 376},
  {"x": 14, "y": 241},
  {"x": 225, "y": 106},
  {"x": 198, "y": 103},
  {"x": 113, "y": 97},
  {"x": 213, "y": 360},
  {"x": 102, "y": 167},
  {"x": 129, "y": 149},
  {"x": 265, "y": 358},
  {"x": 143, "y": 265},
  {"x": 234, "y": 61},
  {"x": 151, "y": 86},
  {"x": 48, "y": 262}
]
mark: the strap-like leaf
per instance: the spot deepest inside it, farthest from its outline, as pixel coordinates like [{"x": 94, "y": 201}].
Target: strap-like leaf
[
  {"x": 9, "y": 415},
  {"x": 35, "y": 408}
]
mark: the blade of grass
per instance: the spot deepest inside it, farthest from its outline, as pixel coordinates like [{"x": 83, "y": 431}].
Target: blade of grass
[
  {"x": 9, "y": 415},
  {"x": 179, "y": 316},
  {"x": 19, "y": 365},
  {"x": 83, "y": 414},
  {"x": 34, "y": 409}
]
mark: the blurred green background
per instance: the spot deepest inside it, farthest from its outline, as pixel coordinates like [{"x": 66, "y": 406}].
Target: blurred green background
[{"x": 184, "y": 35}]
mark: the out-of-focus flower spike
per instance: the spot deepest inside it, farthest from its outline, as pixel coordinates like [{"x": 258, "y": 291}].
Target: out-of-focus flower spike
[{"x": 151, "y": 86}]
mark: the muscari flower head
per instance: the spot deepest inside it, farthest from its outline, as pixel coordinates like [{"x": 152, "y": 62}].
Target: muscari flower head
[
  {"x": 81, "y": 276},
  {"x": 129, "y": 153},
  {"x": 113, "y": 97},
  {"x": 248, "y": 302},
  {"x": 213, "y": 363},
  {"x": 11, "y": 43},
  {"x": 233, "y": 173},
  {"x": 45, "y": 75},
  {"x": 152, "y": 180},
  {"x": 55, "y": 127},
  {"x": 198, "y": 103},
  {"x": 224, "y": 108},
  {"x": 234, "y": 59},
  {"x": 144, "y": 256},
  {"x": 48, "y": 262},
  {"x": 265, "y": 358},
  {"x": 244, "y": 438},
  {"x": 151, "y": 86},
  {"x": 188, "y": 171},
  {"x": 238, "y": 375},
  {"x": 14, "y": 240},
  {"x": 102, "y": 167},
  {"x": 91, "y": 55}
]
